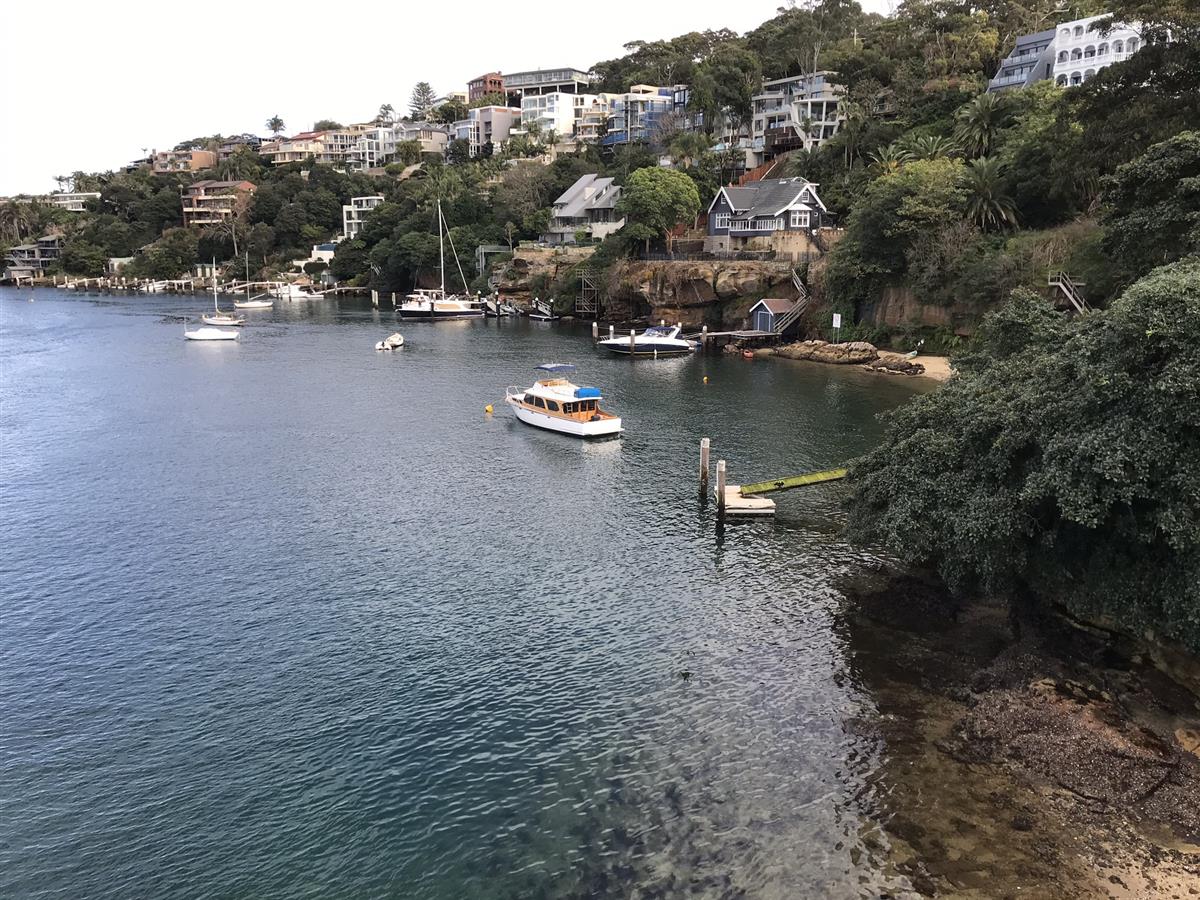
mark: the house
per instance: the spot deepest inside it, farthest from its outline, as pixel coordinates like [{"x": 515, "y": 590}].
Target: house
[
  {"x": 375, "y": 145},
  {"x": 29, "y": 261},
  {"x": 76, "y": 202},
  {"x": 766, "y": 312},
  {"x": 777, "y": 214},
  {"x": 212, "y": 202},
  {"x": 182, "y": 161},
  {"x": 355, "y": 213},
  {"x": 334, "y": 147},
  {"x": 794, "y": 113},
  {"x": 1030, "y": 60},
  {"x": 489, "y": 125},
  {"x": 556, "y": 112},
  {"x": 491, "y": 83},
  {"x": 449, "y": 97},
  {"x": 519, "y": 85},
  {"x": 589, "y": 205},
  {"x": 1070, "y": 53},
  {"x": 635, "y": 114},
  {"x": 232, "y": 145}
]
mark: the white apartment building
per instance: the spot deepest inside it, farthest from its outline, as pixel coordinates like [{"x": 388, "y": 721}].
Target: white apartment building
[
  {"x": 558, "y": 112},
  {"x": 794, "y": 113},
  {"x": 355, "y": 212},
  {"x": 488, "y": 125},
  {"x": 546, "y": 81},
  {"x": 376, "y": 145},
  {"x": 1080, "y": 50}
]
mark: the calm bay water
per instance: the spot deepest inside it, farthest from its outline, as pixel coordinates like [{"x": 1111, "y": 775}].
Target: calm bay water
[{"x": 293, "y": 618}]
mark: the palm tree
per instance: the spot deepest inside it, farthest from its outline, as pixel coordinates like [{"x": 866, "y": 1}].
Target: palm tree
[
  {"x": 932, "y": 146},
  {"x": 386, "y": 114},
  {"x": 888, "y": 160},
  {"x": 988, "y": 206},
  {"x": 979, "y": 121},
  {"x": 275, "y": 125},
  {"x": 687, "y": 146}
]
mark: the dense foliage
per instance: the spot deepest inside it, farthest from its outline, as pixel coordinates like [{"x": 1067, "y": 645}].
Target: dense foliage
[{"x": 1062, "y": 463}]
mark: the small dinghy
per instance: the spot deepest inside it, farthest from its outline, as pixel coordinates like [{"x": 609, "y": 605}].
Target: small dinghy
[
  {"x": 211, "y": 334},
  {"x": 391, "y": 342}
]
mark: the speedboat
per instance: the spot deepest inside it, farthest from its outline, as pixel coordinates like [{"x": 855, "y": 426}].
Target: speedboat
[
  {"x": 554, "y": 403},
  {"x": 437, "y": 304},
  {"x": 660, "y": 340},
  {"x": 211, "y": 334},
  {"x": 289, "y": 291},
  {"x": 391, "y": 342}
]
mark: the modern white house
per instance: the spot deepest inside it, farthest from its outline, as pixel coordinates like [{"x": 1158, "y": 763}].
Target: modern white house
[
  {"x": 633, "y": 115},
  {"x": 558, "y": 112},
  {"x": 1070, "y": 53},
  {"x": 589, "y": 205},
  {"x": 28, "y": 261},
  {"x": 376, "y": 144},
  {"x": 76, "y": 202},
  {"x": 794, "y": 113},
  {"x": 355, "y": 212},
  {"x": 546, "y": 81},
  {"x": 488, "y": 125},
  {"x": 1081, "y": 50}
]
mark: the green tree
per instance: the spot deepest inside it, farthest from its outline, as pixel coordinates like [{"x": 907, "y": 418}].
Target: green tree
[
  {"x": 408, "y": 152},
  {"x": 171, "y": 256},
  {"x": 1151, "y": 209},
  {"x": 1061, "y": 465},
  {"x": 81, "y": 258},
  {"x": 888, "y": 160},
  {"x": 654, "y": 200},
  {"x": 421, "y": 100},
  {"x": 494, "y": 98},
  {"x": 979, "y": 121},
  {"x": 326, "y": 125},
  {"x": 724, "y": 86},
  {"x": 988, "y": 204},
  {"x": 275, "y": 125},
  {"x": 449, "y": 112},
  {"x": 386, "y": 114},
  {"x": 931, "y": 146},
  {"x": 458, "y": 151}
]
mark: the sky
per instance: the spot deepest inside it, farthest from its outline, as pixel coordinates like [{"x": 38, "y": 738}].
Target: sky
[{"x": 115, "y": 78}]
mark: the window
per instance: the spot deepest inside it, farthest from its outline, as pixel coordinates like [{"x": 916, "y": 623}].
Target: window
[
  {"x": 799, "y": 218},
  {"x": 1102, "y": 50},
  {"x": 1088, "y": 74},
  {"x": 1131, "y": 46},
  {"x": 1089, "y": 52},
  {"x": 1076, "y": 53},
  {"x": 1066, "y": 33},
  {"x": 1118, "y": 46},
  {"x": 539, "y": 403},
  {"x": 1076, "y": 78},
  {"x": 721, "y": 220},
  {"x": 1078, "y": 31},
  {"x": 1062, "y": 57},
  {"x": 1061, "y": 80},
  {"x": 529, "y": 398}
]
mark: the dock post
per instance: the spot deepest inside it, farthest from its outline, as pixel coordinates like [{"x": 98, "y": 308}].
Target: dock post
[
  {"x": 393, "y": 298},
  {"x": 721, "y": 486},
  {"x": 611, "y": 332},
  {"x": 662, "y": 321},
  {"x": 595, "y": 332},
  {"x": 375, "y": 299},
  {"x": 632, "y": 342},
  {"x": 704, "y": 445},
  {"x": 704, "y": 337}
]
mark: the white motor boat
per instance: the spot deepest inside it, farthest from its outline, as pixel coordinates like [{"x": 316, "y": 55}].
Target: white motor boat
[
  {"x": 661, "y": 340},
  {"x": 391, "y": 342},
  {"x": 211, "y": 334},
  {"x": 554, "y": 403},
  {"x": 289, "y": 291}
]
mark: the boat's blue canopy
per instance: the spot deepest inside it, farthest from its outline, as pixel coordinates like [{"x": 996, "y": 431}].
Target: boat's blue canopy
[
  {"x": 556, "y": 367},
  {"x": 583, "y": 393}
]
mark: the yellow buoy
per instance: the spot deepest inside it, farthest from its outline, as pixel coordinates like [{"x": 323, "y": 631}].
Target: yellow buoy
[
  {"x": 488, "y": 408},
  {"x": 706, "y": 379}
]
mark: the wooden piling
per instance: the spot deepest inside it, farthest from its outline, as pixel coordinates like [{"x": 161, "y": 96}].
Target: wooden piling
[
  {"x": 704, "y": 445},
  {"x": 611, "y": 332},
  {"x": 632, "y": 342},
  {"x": 375, "y": 299},
  {"x": 595, "y": 332},
  {"x": 721, "y": 486}
]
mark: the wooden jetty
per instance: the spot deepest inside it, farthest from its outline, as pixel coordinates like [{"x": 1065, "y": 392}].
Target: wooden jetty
[{"x": 748, "y": 499}]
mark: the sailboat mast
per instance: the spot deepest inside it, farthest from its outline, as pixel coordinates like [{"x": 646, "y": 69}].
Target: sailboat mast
[
  {"x": 441, "y": 247},
  {"x": 247, "y": 274},
  {"x": 216, "y": 308}
]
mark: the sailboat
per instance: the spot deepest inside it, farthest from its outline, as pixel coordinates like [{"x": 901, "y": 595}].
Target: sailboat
[
  {"x": 262, "y": 301},
  {"x": 219, "y": 316},
  {"x": 435, "y": 303}
]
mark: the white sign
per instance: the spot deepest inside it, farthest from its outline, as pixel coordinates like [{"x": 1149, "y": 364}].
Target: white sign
[{"x": 837, "y": 320}]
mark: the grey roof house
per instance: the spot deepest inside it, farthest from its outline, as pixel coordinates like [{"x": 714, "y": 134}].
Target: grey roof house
[
  {"x": 588, "y": 205},
  {"x": 755, "y": 215}
]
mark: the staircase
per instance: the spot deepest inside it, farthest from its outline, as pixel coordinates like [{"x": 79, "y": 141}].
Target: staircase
[
  {"x": 763, "y": 171},
  {"x": 1070, "y": 289},
  {"x": 789, "y": 318}
]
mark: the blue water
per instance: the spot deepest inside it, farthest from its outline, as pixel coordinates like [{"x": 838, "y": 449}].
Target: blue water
[{"x": 293, "y": 618}]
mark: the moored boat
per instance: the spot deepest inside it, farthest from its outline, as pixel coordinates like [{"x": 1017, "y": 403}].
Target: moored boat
[
  {"x": 660, "y": 340},
  {"x": 556, "y": 404},
  {"x": 391, "y": 342},
  {"x": 211, "y": 334}
]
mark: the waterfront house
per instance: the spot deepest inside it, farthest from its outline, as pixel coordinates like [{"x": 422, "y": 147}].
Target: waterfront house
[
  {"x": 75, "y": 202},
  {"x": 212, "y": 202},
  {"x": 589, "y": 205},
  {"x": 800, "y": 112},
  {"x": 766, "y": 312},
  {"x": 1070, "y": 53},
  {"x": 488, "y": 125},
  {"x": 170, "y": 161},
  {"x": 28, "y": 261},
  {"x": 333, "y": 147},
  {"x": 491, "y": 83},
  {"x": 232, "y": 144},
  {"x": 775, "y": 214},
  {"x": 634, "y": 115},
  {"x": 376, "y": 145},
  {"x": 519, "y": 85},
  {"x": 556, "y": 112},
  {"x": 355, "y": 212}
]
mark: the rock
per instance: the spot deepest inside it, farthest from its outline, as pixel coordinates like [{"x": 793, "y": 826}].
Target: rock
[
  {"x": 897, "y": 364},
  {"x": 853, "y": 352}
]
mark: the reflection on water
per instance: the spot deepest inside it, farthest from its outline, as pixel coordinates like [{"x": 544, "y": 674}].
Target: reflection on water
[{"x": 296, "y": 618}]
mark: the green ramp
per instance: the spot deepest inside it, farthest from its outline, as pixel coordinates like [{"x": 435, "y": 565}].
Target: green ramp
[{"x": 795, "y": 481}]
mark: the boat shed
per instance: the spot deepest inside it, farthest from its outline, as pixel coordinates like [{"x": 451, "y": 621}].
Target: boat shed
[{"x": 764, "y": 314}]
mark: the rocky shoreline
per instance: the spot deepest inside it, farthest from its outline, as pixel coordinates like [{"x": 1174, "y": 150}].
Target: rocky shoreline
[
  {"x": 1052, "y": 766},
  {"x": 862, "y": 354}
]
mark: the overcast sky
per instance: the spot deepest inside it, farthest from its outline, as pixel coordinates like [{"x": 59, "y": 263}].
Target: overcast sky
[{"x": 104, "y": 80}]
